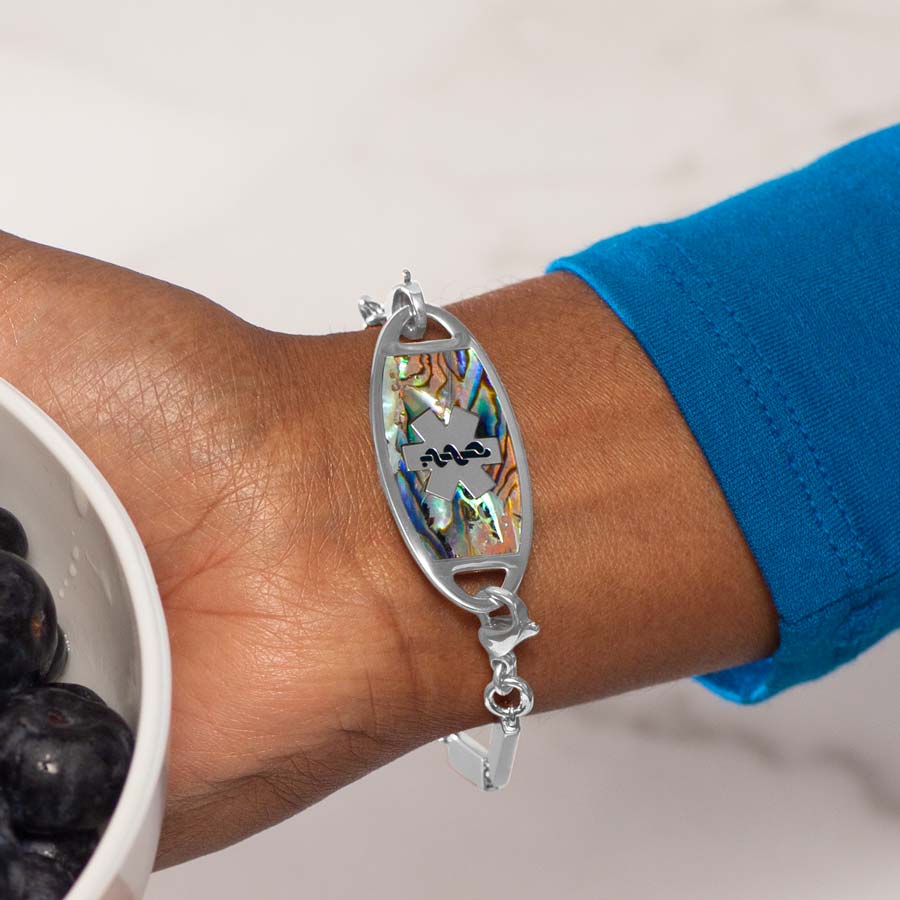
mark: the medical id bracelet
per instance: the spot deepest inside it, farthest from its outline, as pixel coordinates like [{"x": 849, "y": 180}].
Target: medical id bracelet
[{"x": 452, "y": 466}]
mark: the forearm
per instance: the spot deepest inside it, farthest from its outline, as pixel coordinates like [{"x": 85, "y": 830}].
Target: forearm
[{"x": 638, "y": 573}]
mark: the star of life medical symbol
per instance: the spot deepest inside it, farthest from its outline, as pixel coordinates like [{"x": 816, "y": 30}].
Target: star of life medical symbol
[{"x": 451, "y": 454}]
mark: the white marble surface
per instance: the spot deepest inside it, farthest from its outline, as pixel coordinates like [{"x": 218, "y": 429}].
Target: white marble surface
[{"x": 283, "y": 156}]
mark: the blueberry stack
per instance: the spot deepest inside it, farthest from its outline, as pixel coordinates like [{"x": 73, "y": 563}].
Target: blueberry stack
[{"x": 64, "y": 753}]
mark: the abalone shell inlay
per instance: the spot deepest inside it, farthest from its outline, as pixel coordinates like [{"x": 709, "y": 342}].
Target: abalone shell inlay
[{"x": 463, "y": 526}]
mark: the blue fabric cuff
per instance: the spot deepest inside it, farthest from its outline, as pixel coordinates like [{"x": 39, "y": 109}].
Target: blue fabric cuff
[{"x": 774, "y": 318}]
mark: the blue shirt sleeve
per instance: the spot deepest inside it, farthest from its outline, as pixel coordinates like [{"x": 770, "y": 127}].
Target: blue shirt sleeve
[{"x": 774, "y": 318}]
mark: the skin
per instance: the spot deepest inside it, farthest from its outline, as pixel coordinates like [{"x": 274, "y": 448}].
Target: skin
[{"x": 308, "y": 648}]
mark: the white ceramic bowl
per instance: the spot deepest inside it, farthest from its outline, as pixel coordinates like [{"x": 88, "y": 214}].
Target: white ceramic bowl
[{"x": 83, "y": 543}]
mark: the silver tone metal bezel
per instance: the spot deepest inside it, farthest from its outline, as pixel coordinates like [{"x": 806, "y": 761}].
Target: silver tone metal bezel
[
  {"x": 488, "y": 768},
  {"x": 442, "y": 573}
]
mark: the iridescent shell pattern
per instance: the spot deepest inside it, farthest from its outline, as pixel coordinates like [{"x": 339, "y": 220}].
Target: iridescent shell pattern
[{"x": 464, "y": 525}]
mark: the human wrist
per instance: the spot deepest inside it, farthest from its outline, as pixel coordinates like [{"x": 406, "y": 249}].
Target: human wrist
[{"x": 638, "y": 573}]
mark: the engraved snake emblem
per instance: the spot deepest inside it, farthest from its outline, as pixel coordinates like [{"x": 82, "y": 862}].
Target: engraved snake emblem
[{"x": 473, "y": 450}]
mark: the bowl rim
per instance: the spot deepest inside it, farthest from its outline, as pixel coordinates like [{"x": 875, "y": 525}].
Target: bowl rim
[{"x": 154, "y": 714}]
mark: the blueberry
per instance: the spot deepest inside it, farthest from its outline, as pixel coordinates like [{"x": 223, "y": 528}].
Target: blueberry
[
  {"x": 28, "y": 629},
  {"x": 6, "y": 826},
  {"x": 63, "y": 759},
  {"x": 45, "y": 879},
  {"x": 12, "y": 534},
  {"x": 60, "y": 658},
  {"x": 80, "y": 691},
  {"x": 69, "y": 851},
  {"x": 12, "y": 873},
  {"x": 12, "y": 863}
]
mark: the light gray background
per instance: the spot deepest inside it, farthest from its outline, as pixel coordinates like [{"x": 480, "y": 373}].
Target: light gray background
[{"x": 282, "y": 157}]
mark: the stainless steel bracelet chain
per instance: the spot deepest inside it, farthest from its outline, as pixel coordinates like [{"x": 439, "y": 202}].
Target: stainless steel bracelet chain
[{"x": 453, "y": 468}]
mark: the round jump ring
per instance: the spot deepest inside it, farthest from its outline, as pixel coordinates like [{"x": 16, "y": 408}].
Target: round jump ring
[
  {"x": 522, "y": 708},
  {"x": 409, "y": 295},
  {"x": 497, "y": 597}
]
